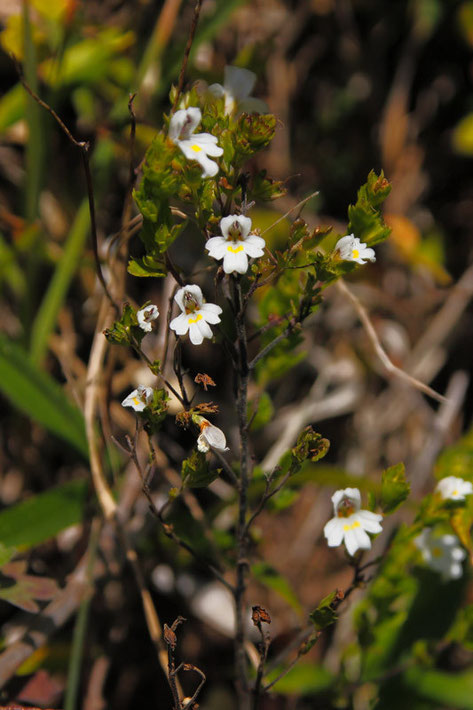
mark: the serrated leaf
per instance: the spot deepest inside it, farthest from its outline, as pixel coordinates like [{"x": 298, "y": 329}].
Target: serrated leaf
[
  {"x": 196, "y": 472},
  {"x": 365, "y": 220},
  {"x": 325, "y": 615},
  {"x": 394, "y": 488},
  {"x": 146, "y": 266}
]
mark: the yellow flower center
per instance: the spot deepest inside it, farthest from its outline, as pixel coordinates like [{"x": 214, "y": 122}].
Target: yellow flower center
[
  {"x": 351, "y": 526},
  {"x": 355, "y": 253},
  {"x": 196, "y": 148},
  {"x": 454, "y": 493},
  {"x": 437, "y": 551},
  {"x": 196, "y": 319},
  {"x": 235, "y": 250},
  {"x": 136, "y": 401}
]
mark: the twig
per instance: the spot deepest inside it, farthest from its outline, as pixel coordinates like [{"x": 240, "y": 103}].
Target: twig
[
  {"x": 187, "y": 50},
  {"x": 299, "y": 204},
  {"x": 267, "y": 495},
  {"x": 171, "y": 641},
  {"x": 266, "y": 350},
  {"x": 104, "y": 494},
  {"x": 84, "y": 147},
  {"x": 159, "y": 513},
  {"x": 309, "y": 633},
  {"x": 242, "y": 396},
  {"x": 177, "y": 366},
  {"x": 227, "y": 467},
  {"x": 260, "y": 616},
  {"x": 381, "y": 353}
]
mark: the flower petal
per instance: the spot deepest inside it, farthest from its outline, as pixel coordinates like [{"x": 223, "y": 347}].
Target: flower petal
[
  {"x": 216, "y": 246},
  {"x": 369, "y": 521},
  {"x": 204, "y": 328},
  {"x": 238, "y": 82},
  {"x": 210, "y": 313},
  {"x": 226, "y": 223},
  {"x": 195, "y": 335},
  {"x": 351, "y": 542},
  {"x": 180, "y": 324},
  {"x": 333, "y": 531}
]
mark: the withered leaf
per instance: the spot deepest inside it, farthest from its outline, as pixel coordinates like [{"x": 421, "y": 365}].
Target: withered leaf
[
  {"x": 204, "y": 380},
  {"x": 260, "y": 615}
]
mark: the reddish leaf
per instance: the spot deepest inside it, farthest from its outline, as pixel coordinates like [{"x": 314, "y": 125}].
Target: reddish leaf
[{"x": 21, "y": 589}]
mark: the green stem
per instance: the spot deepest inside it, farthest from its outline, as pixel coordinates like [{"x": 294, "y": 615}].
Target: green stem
[{"x": 80, "y": 629}]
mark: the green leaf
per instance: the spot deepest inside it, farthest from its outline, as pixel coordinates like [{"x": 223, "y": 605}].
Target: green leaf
[
  {"x": 196, "y": 472},
  {"x": 452, "y": 690},
  {"x": 324, "y": 615},
  {"x": 6, "y": 553},
  {"x": 38, "y": 396},
  {"x": 43, "y": 516},
  {"x": 125, "y": 331},
  {"x": 462, "y": 629},
  {"x": 47, "y": 314},
  {"x": 264, "y": 412},
  {"x": 146, "y": 266},
  {"x": 394, "y": 488},
  {"x": 365, "y": 220},
  {"x": 270, "y": 577},
  {"x": 303, "y": 679},
  {"x": 457, "y": 460}
]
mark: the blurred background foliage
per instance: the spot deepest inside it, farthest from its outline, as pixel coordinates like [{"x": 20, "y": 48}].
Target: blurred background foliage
[{"x": 355, "y": 85}]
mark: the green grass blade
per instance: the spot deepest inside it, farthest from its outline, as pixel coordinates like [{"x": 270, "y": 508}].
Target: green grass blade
[
  {"x": 47, "y": 314},
  {"x": 80, "y": 630},
  {"x": 34, "y": 146},
  {"x": 38, "y": 396},
  {"x": 41, "y": 517}
]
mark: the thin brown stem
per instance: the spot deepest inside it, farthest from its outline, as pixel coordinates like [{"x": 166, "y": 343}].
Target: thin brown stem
[
  {"x": 84, "y": 147},
  {"x": 278, "y": 339},
  {"x": 242, "y": 563},
  {"x": 187, "y": 51}
]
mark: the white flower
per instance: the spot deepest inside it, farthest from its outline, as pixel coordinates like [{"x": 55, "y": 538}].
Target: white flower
[
  {"x": 195, "y": 146},
  {"x": 350, "y": 524},
  {"x": 237, "y": 86},
  {"x": 236, "y": 244},
  {"x": 139, "y": 398},
  {"x": 453, "y": 488},
  {"x": 351, "y": 249},
  {"x": 441, "y": 553},
  {"x": 210, "y": 437},
  {"x": 196, "y": 315},
  {"x": 146, "y": 316}
]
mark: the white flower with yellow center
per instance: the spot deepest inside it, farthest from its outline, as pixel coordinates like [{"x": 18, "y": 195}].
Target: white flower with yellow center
[
  {"x": 453, "y": 488},
  {"x": 350, "y": 524},
  {"x": 195, "y": 146},
  {"x": 146, "y": 316},
  {"x": 350, "y": 248},
  {"x": 237, "y": 86},
  {"x": 236, "y": 244},
  {"x": 139, "y": 398},
  {"x": 211, "y": 437},
  {"x": 196, "y": 315},
  {"x": 441, "y": 553}
]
